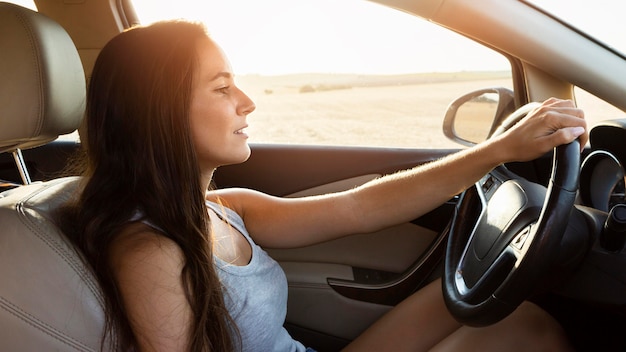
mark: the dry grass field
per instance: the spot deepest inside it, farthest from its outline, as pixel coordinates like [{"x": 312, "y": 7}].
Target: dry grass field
[
  {"x": 397, "y": 111},
  {"x": 404, "y": 111}
]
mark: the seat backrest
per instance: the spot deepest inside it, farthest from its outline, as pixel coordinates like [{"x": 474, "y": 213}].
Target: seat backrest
[{"x": 49, "y": 300}]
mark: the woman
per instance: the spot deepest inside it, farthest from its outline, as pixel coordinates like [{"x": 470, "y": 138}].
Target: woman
[{"x": 179, "y": 269}]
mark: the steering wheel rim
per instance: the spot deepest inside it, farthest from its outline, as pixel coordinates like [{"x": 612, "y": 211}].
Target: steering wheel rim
[{"x": 495, "y": 257}]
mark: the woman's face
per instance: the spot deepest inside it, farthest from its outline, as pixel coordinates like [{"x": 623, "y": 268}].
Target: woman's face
[{"x": 218, "y": 111}]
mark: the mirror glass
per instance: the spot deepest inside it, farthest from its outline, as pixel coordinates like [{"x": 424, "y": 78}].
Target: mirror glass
[{"x": 474, "y": 117}]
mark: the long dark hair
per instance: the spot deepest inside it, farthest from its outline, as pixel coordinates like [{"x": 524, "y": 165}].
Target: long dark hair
[{"x": 139, "y": 156}]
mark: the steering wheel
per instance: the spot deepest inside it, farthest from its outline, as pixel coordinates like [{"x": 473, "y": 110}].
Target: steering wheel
[{"x": 504, "y": 235}]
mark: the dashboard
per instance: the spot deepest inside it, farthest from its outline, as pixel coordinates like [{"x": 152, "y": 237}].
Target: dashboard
[{"x": 602, "y": 175}]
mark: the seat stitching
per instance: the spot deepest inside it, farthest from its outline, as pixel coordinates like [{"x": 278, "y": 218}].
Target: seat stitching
[
  {"x": 42, "y": 326},
  {"x": 78, "y": 265}
]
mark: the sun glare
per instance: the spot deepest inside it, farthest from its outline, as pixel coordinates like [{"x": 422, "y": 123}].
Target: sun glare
[
  {"x": 349, "y": 36},
  {"x": 30, "y": 4}
]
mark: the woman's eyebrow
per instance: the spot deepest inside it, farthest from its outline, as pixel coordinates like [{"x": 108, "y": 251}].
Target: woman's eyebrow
[{"x": 222, "y": 75}]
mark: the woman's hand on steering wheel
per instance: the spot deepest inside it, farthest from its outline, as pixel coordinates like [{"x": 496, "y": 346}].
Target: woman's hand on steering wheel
[{"x": 552, "y": 123}]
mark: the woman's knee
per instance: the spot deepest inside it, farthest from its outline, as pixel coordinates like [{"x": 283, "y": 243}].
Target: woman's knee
[
  {"x": 528, "y": 328},
  {"x": 536, "y": 325}
]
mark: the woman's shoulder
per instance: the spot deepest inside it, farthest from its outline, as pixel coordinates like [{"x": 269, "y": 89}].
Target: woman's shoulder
[
  {"x": 241, "y": 200},
  {"x": 231, "y": 198}
]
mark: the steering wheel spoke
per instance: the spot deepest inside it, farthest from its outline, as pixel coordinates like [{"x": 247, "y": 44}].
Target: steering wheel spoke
[{"x": 484, "y": 283}]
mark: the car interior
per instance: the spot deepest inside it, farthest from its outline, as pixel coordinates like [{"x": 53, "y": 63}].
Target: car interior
[{"x": 50, "y": 300}]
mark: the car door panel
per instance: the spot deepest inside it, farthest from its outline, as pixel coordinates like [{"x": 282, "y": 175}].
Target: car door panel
[
  {"x": 286, "y": 169},
  {"x": 339, "y": 288}
]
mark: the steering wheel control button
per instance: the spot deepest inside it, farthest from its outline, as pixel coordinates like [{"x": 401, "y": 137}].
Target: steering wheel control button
[
  {"x": 520, "y": 239},
  {"x": 486, "y": 185}
]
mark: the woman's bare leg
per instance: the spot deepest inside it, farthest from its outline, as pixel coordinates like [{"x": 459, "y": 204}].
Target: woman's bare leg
[
  {"x": 529, "y": 328},
  {"x": 422, "y": 322},
  {"x": 416, "y": 324}
]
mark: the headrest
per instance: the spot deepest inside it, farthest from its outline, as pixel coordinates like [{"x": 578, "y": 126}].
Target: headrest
[{"x": 42, "y": 82}]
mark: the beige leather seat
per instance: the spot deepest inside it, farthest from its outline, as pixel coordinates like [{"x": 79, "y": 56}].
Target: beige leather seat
[{"x": 49, "y": 300}]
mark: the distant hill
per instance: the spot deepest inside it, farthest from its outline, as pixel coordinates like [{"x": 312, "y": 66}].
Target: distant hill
[{"x": 341, "y": 81}]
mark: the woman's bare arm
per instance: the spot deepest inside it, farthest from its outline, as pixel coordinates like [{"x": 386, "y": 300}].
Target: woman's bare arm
[
  {"x": 280, "y": 222},
  {"x": 147, "y": 269}
]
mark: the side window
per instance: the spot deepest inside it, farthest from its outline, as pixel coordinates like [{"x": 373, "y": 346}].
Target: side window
[
  {"x": 342, "y": 72},
  {"x": 25, "y": 3},
  {"x": 596, "y": 109}
]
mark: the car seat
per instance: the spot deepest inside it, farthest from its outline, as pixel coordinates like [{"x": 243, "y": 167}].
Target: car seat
[{"x": 49, "y": 300}]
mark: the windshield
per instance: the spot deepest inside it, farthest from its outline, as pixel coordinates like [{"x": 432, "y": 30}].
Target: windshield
[{"x": 601, "y": 19}]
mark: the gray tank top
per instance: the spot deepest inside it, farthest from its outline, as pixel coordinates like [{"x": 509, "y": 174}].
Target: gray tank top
[{"x": 255, "y": 295}]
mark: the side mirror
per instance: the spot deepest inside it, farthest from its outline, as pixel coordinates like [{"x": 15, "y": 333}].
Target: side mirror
[{"x": 474, "y": 117}]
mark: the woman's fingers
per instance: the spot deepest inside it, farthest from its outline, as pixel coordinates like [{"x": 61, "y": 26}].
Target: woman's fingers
[
  {"x": 564, "y": 135},
  {"x": 553, "y": 123},
  {"x": 563, "y": 122}
]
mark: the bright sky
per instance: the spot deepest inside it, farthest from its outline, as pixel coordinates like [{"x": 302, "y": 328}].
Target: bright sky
[
  {"x": 335, "y": 35},
  {"x": 603, "y": 19},
  {"x": 310, "y": 31},
  {"x": 308, "y": 28}
]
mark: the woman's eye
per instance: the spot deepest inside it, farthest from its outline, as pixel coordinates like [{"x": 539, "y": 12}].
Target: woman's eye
[{"x": 223, "y": 90}]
